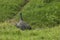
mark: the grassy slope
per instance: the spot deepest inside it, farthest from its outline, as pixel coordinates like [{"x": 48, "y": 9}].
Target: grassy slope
[
  {"x": 36, "y": 16},
  {"x": 9, "y": 8},
  {"x": 10, "y": 32},
  {"x": 41, "y": 13}
]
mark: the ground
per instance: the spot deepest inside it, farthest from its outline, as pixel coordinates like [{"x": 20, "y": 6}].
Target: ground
[
  {"x": 10, "y": 32},
  {"x": 42, "y": 15}
]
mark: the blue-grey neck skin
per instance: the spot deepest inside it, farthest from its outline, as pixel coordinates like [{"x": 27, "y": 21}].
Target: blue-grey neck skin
[{"x": 21, "y": 18}]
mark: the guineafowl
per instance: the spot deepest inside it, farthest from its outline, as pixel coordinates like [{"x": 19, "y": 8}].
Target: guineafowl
[{"x": 22, "y": 25}]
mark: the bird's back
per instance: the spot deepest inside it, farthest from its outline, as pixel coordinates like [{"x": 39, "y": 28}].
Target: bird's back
[{"x": 23, "y": 25}]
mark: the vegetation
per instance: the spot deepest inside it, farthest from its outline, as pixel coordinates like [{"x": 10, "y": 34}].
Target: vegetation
[
  {"x": 42, "y": 15},
  {"x": 9, "y": 8},
  {"x": 10, "y": 32}
]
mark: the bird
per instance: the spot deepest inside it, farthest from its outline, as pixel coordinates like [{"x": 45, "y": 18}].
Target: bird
[{"x": 22, "y": 24}]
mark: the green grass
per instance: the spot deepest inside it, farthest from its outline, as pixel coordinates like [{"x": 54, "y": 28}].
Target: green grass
[
  {"x": 42, "y": 13},
  {"x": 9, "y": 8},
  {"x": 10, "y": 32}
]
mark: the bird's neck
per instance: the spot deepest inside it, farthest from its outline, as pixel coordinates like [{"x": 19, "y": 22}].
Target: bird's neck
[{"x": 21, "y": 18}]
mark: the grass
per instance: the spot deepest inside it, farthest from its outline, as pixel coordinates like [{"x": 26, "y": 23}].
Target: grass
[
  {"x": 9, "y": 8},
  {"x": 42, "y": 15},
  {"x": 10, "y": 32}
]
